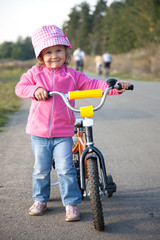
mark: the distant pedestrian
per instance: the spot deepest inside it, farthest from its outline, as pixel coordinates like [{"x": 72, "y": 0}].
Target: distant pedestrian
[
  {"x": 107, "y": 58},
  {"x": 99, "y": 64},
  {"x": 79, "y": 57}
]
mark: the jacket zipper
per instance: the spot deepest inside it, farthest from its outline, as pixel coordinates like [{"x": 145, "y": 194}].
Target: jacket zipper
[{"x": 50, "y": 127}]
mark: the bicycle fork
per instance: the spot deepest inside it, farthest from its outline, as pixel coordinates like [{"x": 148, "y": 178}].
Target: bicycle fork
[{"x": 88, "y": 152}]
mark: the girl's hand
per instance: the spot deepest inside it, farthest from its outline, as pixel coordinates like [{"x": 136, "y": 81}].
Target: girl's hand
[
  {"x": 41, "y": 94},
  {"x": 124, "y": 84}
]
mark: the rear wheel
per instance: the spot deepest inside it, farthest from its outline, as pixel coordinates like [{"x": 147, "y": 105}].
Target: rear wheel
[{"x": 93, "y": 181}]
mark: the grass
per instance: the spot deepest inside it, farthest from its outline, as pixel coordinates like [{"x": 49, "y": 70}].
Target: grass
[
  {"x": 9, "y": 102},
  {"x": 130, "y": 77}
]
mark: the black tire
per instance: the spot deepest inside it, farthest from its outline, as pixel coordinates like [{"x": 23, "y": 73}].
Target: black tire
[{"x": 96, "y": 205}]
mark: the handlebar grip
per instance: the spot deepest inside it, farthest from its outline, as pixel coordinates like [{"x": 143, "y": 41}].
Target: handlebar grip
[
  {"x": 48, "y": 93},
  {"x": 85, "y": 94},
  {"x": 131, "y": 87}
]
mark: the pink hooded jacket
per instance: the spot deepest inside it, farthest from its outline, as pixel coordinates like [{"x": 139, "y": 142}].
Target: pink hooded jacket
[{"x": 52, "y": 118}]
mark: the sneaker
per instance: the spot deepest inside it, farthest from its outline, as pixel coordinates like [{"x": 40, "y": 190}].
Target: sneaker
[
  {"x": 72, "y": 214},
  {"x": 37, "y": 209}
]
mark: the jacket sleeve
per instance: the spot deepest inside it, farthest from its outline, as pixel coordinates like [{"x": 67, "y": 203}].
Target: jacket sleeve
[
  {"x": 85, "y": 83},
  {"x": 27, "y": 85}
]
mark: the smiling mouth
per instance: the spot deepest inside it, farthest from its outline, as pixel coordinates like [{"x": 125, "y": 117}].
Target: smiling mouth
[{"x": 55, "y": 61}]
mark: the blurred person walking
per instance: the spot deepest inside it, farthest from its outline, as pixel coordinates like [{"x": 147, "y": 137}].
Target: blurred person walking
[
  {"x": 107, "y": 58},
  {"x": 99, "y": 64},
  {"x": 79, "y": 57}
]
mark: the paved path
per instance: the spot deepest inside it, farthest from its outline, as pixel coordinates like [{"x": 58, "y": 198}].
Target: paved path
[{"x": 127, "y": 131}]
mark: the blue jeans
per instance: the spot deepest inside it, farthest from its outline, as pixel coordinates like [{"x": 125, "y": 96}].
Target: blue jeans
[{"x": 43, "y": 149}]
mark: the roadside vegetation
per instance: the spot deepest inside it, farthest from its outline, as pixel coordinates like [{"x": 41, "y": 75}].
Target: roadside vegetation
[
  {"x": 9, "y": 102},
  {"x": 140, "y": 64}
]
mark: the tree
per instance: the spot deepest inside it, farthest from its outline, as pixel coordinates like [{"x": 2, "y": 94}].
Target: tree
[
  {"x": 121, "y": 27},
  {"x": 96, "y": 39},
  {"x": 85, "y": 28},
  {"x": 72, "y": 26},
  {"x": 6, "y": 49},
  {"x": 27, "y": 49}
]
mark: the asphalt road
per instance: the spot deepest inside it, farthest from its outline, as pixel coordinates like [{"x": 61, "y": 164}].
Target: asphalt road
[{"x": 127, "y": 131}]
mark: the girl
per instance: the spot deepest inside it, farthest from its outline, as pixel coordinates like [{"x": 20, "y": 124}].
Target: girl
[{"x": 50, "y": 122}]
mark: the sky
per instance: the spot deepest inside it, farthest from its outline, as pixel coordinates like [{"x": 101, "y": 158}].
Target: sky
[{"x": 23, "y": 17}]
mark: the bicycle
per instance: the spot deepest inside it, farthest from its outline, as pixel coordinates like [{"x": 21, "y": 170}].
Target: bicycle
[{"x": 88, "y": 160}]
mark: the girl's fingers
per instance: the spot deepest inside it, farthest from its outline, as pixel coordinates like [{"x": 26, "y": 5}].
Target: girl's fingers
[
  {"x": 41, "y": 94},
  {"x": 125, "y": 84}
]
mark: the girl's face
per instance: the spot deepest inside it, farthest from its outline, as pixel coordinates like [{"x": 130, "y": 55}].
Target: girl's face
[{"x": 54, "y": 57}]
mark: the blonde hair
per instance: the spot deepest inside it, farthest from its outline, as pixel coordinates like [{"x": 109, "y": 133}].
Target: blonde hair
[{"x": 40, "y": 62}]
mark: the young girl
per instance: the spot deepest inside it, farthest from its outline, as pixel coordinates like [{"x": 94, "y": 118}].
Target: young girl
[{"x": 50, "y": 122}]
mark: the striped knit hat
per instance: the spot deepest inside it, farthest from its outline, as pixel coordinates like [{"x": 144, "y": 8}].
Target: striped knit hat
[{"x": 48, "y": 36}]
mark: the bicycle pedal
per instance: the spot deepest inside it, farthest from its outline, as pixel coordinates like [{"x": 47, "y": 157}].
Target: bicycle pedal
[{"x": 111, "y": 188}]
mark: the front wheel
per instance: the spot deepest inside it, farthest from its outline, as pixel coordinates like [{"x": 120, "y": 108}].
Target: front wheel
[{"x": 93, "y": 181}]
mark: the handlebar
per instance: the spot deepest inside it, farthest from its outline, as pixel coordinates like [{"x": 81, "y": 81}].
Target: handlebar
[
  {"x": 112, "y": 84},
  {"x": 112, "y": 81},
  {"x": 131, "y": 87}
]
